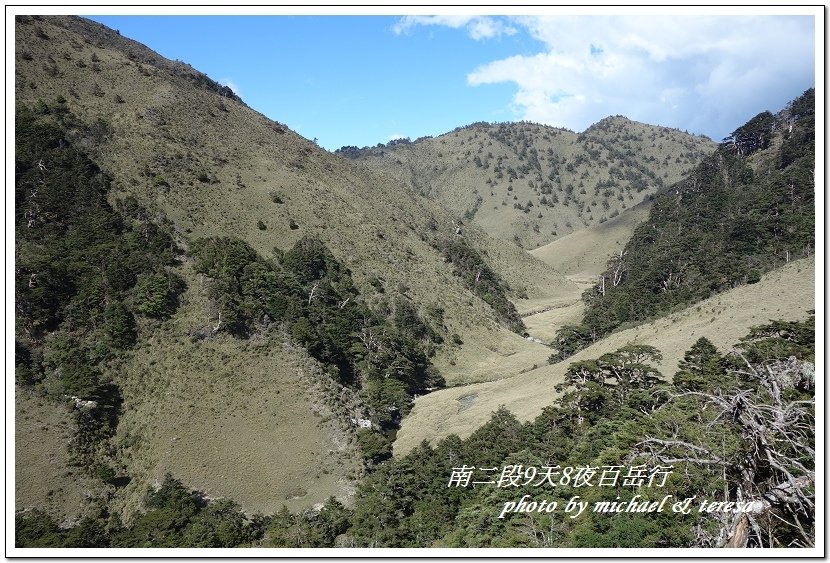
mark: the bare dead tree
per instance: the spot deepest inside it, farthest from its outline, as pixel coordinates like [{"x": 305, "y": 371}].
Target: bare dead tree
[
  {"x": 541, "y": 530},
  {"x": 671, "y": 281},
  {"x": 619, "y": 268},
  {"x": 772, "y": 474},
  {"x": 370, "y": 341},
  {"x": 313, "y": 292},
  {"x": 31, "y": 214},
  {"x": 30, "y": 219}
]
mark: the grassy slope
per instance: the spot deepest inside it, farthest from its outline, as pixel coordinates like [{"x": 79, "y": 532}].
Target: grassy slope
[
  {"x": 584, "y": 255},
  {"x": 786, "y": 293},
  {"x": 165, "y": 134},
  {"x": 581, "y": 256},
  {"x": 44, "y": 476},
  {"x": 444, "y": 169},
  {"x": 238, "y": 419},
  {"x": 201, "y": 420}
]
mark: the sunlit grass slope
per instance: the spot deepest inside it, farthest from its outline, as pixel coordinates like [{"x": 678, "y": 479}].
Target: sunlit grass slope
[{"x": 787, "y": 294}]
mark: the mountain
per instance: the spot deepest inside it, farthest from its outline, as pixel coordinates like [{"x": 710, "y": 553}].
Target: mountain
[
  {"x": 158, "y": 149},
  {"x": 746, "y": 209},
  {"x": 532, "y": 184},
  {"x": 222, "y": 330},
  {"x": 728, "y": 247}
]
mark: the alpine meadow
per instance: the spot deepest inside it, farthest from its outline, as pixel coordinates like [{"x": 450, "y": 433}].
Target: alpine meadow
[{"x": 509, "y": 335}]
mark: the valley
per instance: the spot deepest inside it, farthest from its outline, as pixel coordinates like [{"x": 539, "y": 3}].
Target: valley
[
  {"x": 787, "y": 294},
  {"x": 228, "y": 336}
]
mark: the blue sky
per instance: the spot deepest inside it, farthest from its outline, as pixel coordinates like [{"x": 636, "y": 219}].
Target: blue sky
[{"x": 363, "y": 80}]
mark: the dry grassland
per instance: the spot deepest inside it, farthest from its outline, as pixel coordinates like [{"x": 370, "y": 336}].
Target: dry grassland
[
  {"x": 44, "y": 476},
  {"x": 787, "y": 293},
  {"x": 233, "y": 418},
  {"x": 582, "y": 256}
]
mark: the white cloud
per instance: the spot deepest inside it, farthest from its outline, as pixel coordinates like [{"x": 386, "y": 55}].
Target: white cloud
[
  {"x": 394, "y": 136},
  {"x": 485, "y": 28},
  {"x": 232, "y": 85},
  {"x": 478, "y": 27},
  {"x": 405, "y": 24},
  {"x": 697, "y": 73}
]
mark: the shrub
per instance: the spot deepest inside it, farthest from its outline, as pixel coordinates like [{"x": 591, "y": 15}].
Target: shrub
[
  {"x": 157, "y": 295},
  {"x": 373, "y": 446},
  {"x": 36, "y": 529},
  {"x": 119, "y": 325}
]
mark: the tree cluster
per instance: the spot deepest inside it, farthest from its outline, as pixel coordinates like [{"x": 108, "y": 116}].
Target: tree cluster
[
  {"x": 482, "y": 281},
  {"x": 83, "y": 269},
  {"x": 384, "y": 353},
  {"x": 733, "y": 427}
]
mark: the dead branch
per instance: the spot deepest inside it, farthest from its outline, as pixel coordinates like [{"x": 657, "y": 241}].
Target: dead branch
[
  {"x": 770, "y": 470},
  {"x": 313, "y": 292}
]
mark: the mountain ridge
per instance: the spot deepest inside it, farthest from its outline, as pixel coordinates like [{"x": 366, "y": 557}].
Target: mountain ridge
[
  {"x": 199, "y": 160},
  {"x": 299, "y": 302},
  {"x": 530, "y": 183}
]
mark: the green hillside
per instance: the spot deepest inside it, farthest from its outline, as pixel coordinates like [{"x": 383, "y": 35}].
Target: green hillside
[
  {"x": 114, "y": 288},
  {"x": 532, "y": 184},
  {"x": 226, "y": 336}
]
